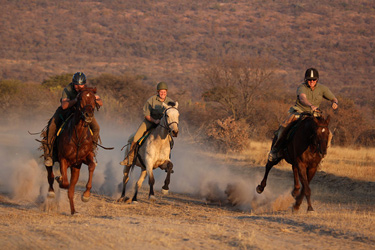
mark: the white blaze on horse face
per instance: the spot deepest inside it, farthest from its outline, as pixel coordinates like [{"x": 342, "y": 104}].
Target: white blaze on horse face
[
  {"x": 323, "y": 130},
  {"x": 172, "y": 120}
]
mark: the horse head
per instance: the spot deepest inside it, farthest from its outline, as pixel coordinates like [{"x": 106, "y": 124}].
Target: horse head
[
  {"x": 86, "y": 103},
  {"x": 171, "y": 118},
  {"x": 321, "y": 134}
]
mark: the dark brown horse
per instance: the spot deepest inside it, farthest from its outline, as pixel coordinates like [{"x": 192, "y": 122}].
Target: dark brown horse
[
  {"x": 303, "y": 151},
  {"x": 75, "y": 146}
]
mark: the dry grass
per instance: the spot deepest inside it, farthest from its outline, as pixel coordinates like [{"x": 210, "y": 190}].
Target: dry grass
[{"x": 354, "y": 163}]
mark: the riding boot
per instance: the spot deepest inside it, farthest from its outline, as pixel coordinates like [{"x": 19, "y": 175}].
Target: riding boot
[
  {"x": 128, "y": 161},
  {"x": 48, "y": 147},
  {"x": 274, "y": 154}
]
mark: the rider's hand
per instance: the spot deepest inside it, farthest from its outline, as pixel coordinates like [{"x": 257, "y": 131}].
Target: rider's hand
[
  {"x": 313, "y": 108},
  {"x": 335, "y": 105}
]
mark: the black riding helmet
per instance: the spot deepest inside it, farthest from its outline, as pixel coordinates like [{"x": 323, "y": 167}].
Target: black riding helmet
[
  {"x": 311, "y": 74},
  {"x": 79, "y": 78}
]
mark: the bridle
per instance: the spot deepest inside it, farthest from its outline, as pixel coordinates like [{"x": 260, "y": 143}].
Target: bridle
[
  {"x": 84, "y": 118},
  {"x": 318, "y": 141},
  {"x": 168, "y": 127},
  {"x": 82, "y": 110},
  {"x": 165, "y": 116}
]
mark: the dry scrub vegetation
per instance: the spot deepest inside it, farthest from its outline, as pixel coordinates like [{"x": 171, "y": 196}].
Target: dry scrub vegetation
[{"x": 259, "y": 50}]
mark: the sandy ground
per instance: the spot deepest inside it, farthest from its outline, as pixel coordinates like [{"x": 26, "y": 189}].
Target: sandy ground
[{"x": 195, "y": 214}]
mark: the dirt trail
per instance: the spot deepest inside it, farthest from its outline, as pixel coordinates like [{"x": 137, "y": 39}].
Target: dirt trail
[
  {"x": 195, "y": 215},
  {"x": 175, "y": 221}
]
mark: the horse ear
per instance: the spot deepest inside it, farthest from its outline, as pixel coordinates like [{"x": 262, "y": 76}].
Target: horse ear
[
  {"x": 165, "y": 105},
  {"x": 176, "y": 106}
]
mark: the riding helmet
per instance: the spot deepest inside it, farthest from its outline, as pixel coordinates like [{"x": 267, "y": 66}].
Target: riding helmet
[
  {"x": 162, "y": 85},
  {"x": 311, "y": 74},
  {"x": 79, "y": 78}
]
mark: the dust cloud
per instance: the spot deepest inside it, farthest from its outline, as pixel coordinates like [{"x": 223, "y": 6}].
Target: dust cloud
[{"x": 23, "y": 176}]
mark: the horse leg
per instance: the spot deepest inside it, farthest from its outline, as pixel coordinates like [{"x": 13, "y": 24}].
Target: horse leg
[
  {"x": 139, "y": 184},
  {"x": 269, "y": 165},
  {"x": 310, "y": 174},
  {"x": 73, "y": 181},
  {"x": 86, "y": 195},
  {"x": 151, "y": 182},
  {"x": 125, "y": 180},
  {"x": 296, "y": 182},
  {"x": 51, "y": 178},
  {"x": 169, "y": 170},
  {"x": 63, "y": 179},
  {"x": 305, "y": 187}
]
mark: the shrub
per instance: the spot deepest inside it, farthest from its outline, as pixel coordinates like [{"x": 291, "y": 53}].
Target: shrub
[{"x": 228, "y": 134}]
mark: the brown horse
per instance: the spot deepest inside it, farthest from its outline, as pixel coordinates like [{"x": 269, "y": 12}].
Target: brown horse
[
  {"x": 303, "y": 151},
  {"x": 75, "y": 146}
]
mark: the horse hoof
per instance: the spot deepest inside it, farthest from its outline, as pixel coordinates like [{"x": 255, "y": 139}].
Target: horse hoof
[
  {"x": 295, "y": 210},
  {"x": 121, "y": 199},
  {"x": 58, "y": 179},
  {"x": 259, "y": 189},
  {"x": 134, "y": 202},
  {"x": 310, "y": 210},
  {"x": 51, "y": 194},
  {"x": 85, "y": 199},
  {"x": 152, "y": 198},
  {"x": 164, "y": 191}
]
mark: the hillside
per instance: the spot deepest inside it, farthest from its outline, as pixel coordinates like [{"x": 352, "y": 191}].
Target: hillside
[
  {"x": 173, "y": 40},
  {"x": 168, "y": 39}
]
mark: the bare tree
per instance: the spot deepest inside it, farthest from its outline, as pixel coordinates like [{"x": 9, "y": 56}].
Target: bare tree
[{"x": 236, "y": 84}]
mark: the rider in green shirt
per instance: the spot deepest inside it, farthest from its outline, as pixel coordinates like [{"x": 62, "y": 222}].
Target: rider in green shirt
[
  {"x": 153, "y": 111},
  {"x": 309, "y": 96}
]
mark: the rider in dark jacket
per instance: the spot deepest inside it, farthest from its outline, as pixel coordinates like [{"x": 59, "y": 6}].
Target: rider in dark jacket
[{"x": 68, "y": 100}]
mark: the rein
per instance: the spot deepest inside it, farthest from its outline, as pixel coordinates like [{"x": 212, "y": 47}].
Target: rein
[
  {"x": 82, "y": 117},
  {"x": 317, "y": 141},
  {"x": 168, "y": 125}
]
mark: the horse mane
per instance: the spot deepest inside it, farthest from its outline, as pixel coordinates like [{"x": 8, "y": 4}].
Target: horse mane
[
  {"x": 87, "y": 88},
  {"x": 172, "y": 104}
]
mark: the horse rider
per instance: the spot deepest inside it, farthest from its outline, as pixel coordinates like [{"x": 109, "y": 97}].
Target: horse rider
[
  {"x": 309, "y": 96},
  {"x": 68, "y": 101},
  {"x": 153, "y": 111}
]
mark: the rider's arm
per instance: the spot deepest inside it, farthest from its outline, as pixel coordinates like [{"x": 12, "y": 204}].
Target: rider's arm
[
  {"x": 150, "y": 119},
  {"x": 335, "y": 103},
  {"x": 66, "y": 103},
  {"x": 98, "y": 100},
  {"x": 303, "y": 99}
]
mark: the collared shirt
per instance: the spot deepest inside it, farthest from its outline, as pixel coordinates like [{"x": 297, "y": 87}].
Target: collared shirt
[
  {"x": 315, "y": 97},
  {"x": 154, "y": 107}
]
